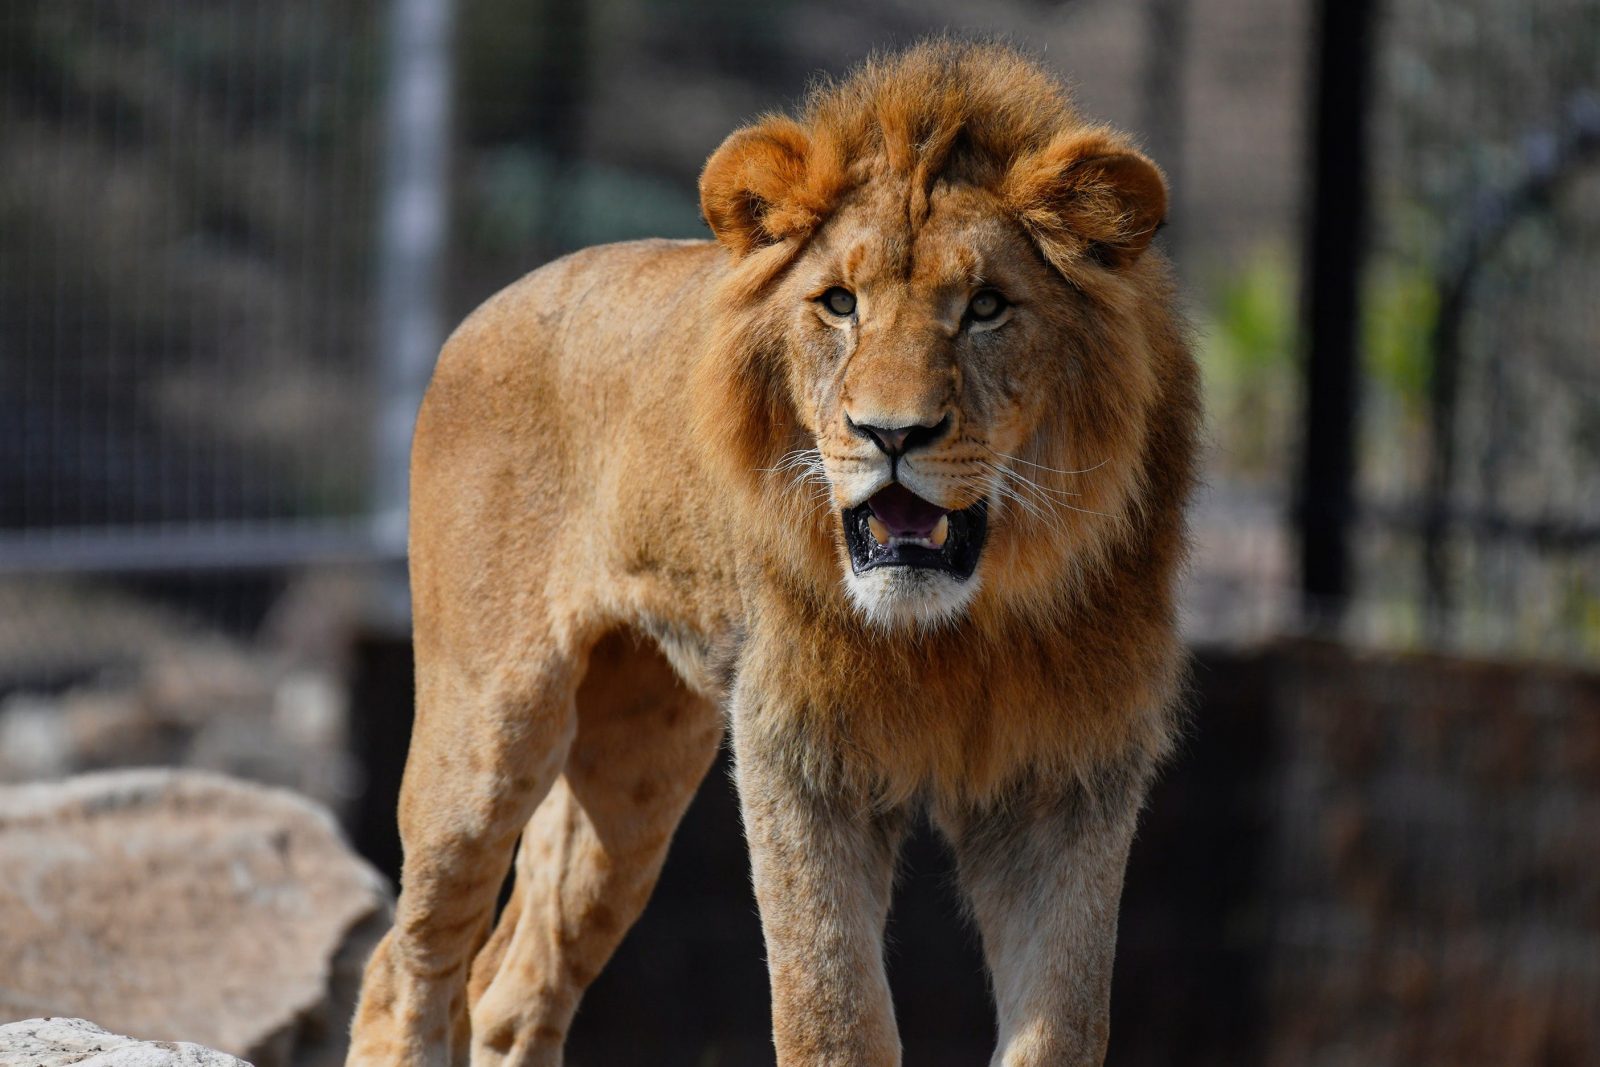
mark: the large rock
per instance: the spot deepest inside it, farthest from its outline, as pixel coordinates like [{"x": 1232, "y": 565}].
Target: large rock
[
  {"x": 78, "y": 1043},
  {"x": 180, "y": 905}
]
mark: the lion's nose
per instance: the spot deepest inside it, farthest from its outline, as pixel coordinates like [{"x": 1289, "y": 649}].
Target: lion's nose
[{"x": 896, "y": 441}]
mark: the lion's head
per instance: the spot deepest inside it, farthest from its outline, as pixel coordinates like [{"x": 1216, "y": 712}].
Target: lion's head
[{"x": 939, "y": 355}]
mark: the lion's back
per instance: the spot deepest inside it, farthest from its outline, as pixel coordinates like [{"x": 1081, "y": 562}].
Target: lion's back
[
  {"x": 584, "y": 336},
  {"x": 583, "y": 313},
  {"x": 574, "y": 368}
]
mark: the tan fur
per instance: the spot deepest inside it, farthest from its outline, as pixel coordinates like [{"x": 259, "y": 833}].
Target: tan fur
[{"x": 613, "y": 473}]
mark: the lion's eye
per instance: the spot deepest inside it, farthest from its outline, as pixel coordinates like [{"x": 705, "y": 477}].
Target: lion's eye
[
  {"x": 840, "y": 301},
  {"x": 986, "y": 306}
]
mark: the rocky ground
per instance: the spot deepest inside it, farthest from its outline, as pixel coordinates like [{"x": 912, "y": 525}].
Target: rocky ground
[{"x": 79, "y": 1043}]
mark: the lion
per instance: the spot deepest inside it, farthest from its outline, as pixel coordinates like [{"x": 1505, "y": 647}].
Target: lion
[{"x": 887, "y": 482}]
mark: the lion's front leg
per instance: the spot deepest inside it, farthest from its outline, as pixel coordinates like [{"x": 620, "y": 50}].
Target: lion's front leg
[
  {"x": 1044, "y": 874},
  {"x": 823, "y": 865}
]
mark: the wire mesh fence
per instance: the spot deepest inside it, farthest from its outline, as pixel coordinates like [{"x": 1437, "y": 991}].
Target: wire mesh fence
[
  {"x": 1481, "y": 459},
  {"x": 232, "y": 230},
  {"x": 214, "y": 337},
  {"x": 208, "y": 364},
  {"x": 186, "y": 196}
]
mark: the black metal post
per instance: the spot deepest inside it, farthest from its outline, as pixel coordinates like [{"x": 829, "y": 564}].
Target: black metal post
[{"x": 1331, "y": 303}]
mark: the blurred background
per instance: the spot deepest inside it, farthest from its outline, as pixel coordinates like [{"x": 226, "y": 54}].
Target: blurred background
[{"x": 234, "y": 232}]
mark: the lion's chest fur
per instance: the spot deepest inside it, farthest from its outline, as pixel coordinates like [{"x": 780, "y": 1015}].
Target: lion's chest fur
[{"x": 954, "y": 716}]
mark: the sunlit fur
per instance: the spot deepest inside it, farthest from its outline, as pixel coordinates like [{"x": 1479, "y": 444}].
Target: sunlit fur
[{"x": 626, "y": 492}]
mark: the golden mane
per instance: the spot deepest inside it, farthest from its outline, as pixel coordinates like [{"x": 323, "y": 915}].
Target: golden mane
[{"x": 979, "y": 114}]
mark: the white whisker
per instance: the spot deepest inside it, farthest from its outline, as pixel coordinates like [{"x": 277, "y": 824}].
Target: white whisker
[
  {"x": 1027, "y": 492},
  {"x": 1041, "y": 466},
  {"x": 1007, "y": 492},
  {"x": 808, "y": 476}
]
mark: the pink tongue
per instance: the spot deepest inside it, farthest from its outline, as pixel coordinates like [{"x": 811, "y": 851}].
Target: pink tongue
[{"x": 905, "y": 513}]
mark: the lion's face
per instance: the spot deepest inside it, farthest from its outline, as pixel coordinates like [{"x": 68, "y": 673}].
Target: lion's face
[
  {"x": 921, "y": 365},
  {"x": 950, "y": 370}
]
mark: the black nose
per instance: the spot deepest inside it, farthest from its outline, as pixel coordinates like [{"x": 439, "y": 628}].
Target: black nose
[{"x": 896, "y": 441}]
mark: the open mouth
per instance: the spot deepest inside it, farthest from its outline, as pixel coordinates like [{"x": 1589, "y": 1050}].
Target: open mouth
[{"x": 897, "y": 528}]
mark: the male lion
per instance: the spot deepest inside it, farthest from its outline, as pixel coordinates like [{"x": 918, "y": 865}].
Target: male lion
[{"x": 889, "y": 478}]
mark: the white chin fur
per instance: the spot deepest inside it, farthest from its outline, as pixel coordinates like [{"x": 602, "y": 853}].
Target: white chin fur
[{"x": 892, "y": 597}]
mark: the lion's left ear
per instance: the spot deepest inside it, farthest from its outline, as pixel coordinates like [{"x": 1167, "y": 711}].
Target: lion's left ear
[
  {"x": 756, "y": 189},
  {"x": 1088, "y": 193}
]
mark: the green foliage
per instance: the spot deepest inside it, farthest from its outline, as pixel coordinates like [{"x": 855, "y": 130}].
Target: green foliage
[
  {"x": 1399, "y": 311},
  {"x": 1246, "y": 351},
  {"x": 1580, "y": 612},
  {"x": 1252, "y": 316}
]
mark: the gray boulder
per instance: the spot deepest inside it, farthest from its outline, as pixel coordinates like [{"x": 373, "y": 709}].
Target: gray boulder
[
  {"x": 79, "y": 1043},
  {"x": 180, "y": 905}
]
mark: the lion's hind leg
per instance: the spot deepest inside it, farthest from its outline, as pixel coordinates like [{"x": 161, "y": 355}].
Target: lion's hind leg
[
  {"x": 591, "y": 853},
  {"x": 486, "y": 747}
]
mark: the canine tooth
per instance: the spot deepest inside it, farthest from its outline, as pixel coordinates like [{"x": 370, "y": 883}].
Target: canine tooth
[
  {"x": 880, "y": 532},
  {"x": 941, "y": 531}
]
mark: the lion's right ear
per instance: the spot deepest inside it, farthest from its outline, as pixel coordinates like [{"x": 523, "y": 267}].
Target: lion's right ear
[{"x": 755, "y": 190}]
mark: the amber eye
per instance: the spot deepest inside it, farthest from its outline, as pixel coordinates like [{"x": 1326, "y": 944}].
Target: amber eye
[
  {"x": 986, "y": 306},
  {"x": 840, "y": 301}
]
